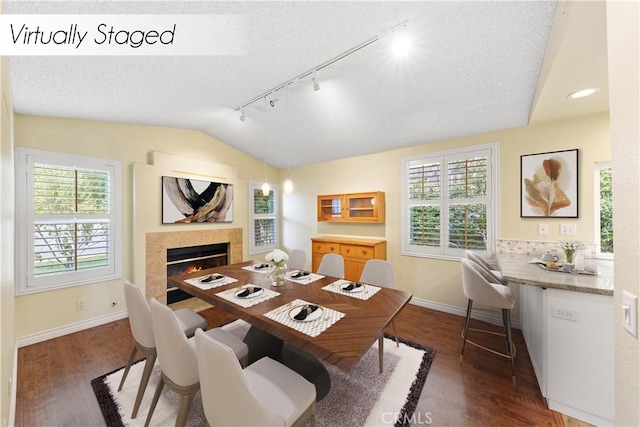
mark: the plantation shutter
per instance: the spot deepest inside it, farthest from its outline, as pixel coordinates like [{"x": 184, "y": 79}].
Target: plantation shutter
[
  {"x": 264, "y": 219},
  {"x": 448, "y": 203}
]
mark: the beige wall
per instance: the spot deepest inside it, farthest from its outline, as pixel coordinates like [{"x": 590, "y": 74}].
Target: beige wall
[
  {"x": 7, "y": 326},
  {"x": 431, "y": 279},
  {"x": 623, "y": 35},
  {"x": 132, "y": 145}
]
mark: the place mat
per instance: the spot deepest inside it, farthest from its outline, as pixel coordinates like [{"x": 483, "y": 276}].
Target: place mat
[
  {"x": 252, "y": 269},
  {"x": 366, "y": 293},
  {"x": 311, "y": 328},
  {"x": 310, "y": 278},
  {"x": 209, "y": 285},
  {"x": 230, "y": 295}
]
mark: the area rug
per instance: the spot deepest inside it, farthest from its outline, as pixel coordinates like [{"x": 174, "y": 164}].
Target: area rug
[{"x": 360, "y": 397}]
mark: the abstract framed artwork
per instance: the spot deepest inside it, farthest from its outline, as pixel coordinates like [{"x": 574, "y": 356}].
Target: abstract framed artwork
[
  {"x": 187, "y": 200},
  {"x": 549, "y": 184}
]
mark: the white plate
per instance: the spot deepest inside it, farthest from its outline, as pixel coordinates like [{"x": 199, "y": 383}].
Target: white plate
[
  {"x": 219, "y": 279},
  {"x": 310, "y": 318},
  {"x": 346, "y": 285},
  {"x": 251, "y": 295}
]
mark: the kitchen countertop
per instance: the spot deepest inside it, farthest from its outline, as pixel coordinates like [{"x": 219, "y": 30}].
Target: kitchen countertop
[{"x": 516, "y": 269}]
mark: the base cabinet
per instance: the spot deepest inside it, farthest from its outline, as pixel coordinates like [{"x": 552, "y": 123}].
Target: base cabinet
[
  {"x": 569, "y": 336},
  {"x": 356, "y": 252}
]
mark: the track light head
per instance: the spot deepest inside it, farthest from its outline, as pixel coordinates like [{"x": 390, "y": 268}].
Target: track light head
[
  {"x": 316, "y": 86},
  {"x": 242, "y": 115},
  {"x": 273, "y": 100}
]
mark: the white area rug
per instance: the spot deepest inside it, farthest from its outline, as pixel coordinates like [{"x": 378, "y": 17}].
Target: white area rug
[{"x": 360, "y": 397}]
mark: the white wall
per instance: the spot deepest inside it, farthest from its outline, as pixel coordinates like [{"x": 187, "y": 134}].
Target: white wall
[
  {"x": 623, "y": 36},
  {"x": 437, "y": 280}
]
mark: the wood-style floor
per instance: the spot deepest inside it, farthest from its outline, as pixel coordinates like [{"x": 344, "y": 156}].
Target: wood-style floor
[{"x": 54, "y": 376}]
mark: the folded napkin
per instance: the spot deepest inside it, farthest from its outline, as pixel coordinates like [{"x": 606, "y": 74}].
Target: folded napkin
[
  {"x": 298, "y": 274},
  {"x": 305, "y": 311},
  {"x": 248, "y": 291},
  {"x": 211, "y": 278},
  {"x": 352, "y": 286}
]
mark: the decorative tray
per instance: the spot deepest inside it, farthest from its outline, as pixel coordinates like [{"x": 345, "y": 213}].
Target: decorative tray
[{"x": 560, "y": 270}]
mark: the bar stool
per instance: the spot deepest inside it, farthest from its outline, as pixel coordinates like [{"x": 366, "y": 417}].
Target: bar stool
[
  {"x": 479, "y": 286},
  {"x": 486, "y": 265}
]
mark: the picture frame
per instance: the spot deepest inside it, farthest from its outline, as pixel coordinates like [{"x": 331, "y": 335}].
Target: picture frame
[
  {"x": 186, "y": 200},
  {"x": 549, "y": 184}
]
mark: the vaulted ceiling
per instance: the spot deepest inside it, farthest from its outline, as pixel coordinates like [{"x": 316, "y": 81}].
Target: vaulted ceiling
[{"x": 474, "y": 67}]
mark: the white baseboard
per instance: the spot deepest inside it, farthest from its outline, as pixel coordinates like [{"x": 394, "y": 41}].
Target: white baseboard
[
  {"x": 69, "y": 329},
  {"x": 485, "y": 316}
]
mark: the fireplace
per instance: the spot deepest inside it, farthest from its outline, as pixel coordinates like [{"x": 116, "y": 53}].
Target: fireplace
[{"x": 190, "y": 259}]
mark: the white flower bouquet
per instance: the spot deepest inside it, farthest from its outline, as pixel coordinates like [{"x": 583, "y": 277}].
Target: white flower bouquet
[
  {"x": 570, "y": 247},
  {"x": 277, "y": 257}
]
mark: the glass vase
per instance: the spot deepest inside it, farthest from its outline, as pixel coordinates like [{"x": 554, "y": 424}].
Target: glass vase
[
  {"x": 569, "y": 255},
  {"x": 277, "y": 274}
]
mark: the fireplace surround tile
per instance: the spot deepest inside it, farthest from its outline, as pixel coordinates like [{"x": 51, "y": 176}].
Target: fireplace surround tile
[{"x": 157, "y": 244}]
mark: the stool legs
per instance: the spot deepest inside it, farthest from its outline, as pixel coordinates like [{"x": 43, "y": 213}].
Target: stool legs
[
  {"x": 466, "y": 328},
  {"x": 506, "y": 315}
]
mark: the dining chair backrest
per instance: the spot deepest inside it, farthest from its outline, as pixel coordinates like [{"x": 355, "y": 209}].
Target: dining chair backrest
[
  {"x": 378, "y": 272},
  {"x": 227, "y": 396},
  {"x": 176, "y": 352},
  {"x": 332, "y": 265},
  {"x": 477, "y": 285},
  {"x": 139, "y": 315},
  {"x": 297, "y": 259}
]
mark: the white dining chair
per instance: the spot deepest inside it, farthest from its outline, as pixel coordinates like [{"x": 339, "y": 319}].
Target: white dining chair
[
  {"x": 483, "y": 263},
  {"x": 332, "y": 265},
  {"x": 480, "y": 287},
  {"x": 266, "y": 393},
  {"x": 297, "y": 259},
  {"x": 143, "y": 340},
  {"x": 380, "y": 272},
  {"x": 178, "y": 361}
]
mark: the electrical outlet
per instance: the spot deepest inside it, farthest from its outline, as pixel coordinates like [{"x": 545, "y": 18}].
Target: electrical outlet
[
  {"x": 80, "y": 304},
  {"x": 568, "y": 229},
  {"x": 543, "y": 229},
  {"x": 564, "y": 313}
]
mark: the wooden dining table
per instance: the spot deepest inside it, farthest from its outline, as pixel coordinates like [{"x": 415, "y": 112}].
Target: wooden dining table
[{"x": 342, "y": 344}]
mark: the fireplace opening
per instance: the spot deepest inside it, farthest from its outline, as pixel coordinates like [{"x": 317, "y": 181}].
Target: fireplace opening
[{"x": 190, "y": 259}]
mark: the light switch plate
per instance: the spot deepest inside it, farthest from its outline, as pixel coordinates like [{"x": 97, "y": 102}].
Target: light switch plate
[
  {"x": 568, "y": 229},
  {"x": 630, "y": 313}
]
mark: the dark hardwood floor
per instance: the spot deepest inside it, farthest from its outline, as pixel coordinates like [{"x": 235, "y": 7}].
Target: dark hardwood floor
[{"x": 54, "y": 376}]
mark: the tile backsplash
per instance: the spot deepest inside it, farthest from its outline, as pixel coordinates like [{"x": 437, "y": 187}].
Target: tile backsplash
[{"x": 533, "y": 248}]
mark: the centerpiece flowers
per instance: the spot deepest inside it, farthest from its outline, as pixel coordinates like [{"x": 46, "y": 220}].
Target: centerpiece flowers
[
  {"x": 278, "y": 268},
  {"x": 570, "y": 247}
]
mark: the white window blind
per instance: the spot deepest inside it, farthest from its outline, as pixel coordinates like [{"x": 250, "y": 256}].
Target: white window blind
[
  {"x": 69, "y": 220},
  {"x": 264, "y": 225},
  {"x": 448, "y": 203}
]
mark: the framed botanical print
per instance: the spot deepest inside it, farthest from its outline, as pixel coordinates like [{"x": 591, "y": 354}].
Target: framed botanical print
[{"x": 549, "y": 184}]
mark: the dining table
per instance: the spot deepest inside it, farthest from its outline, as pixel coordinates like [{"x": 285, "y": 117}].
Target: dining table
[{"x": 310, "y": 316}]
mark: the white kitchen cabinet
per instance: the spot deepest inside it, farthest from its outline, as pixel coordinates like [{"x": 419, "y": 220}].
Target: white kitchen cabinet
[{"x": 569, "y": 336}]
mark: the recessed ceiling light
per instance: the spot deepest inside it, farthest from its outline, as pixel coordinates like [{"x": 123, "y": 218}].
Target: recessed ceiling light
[{"x": 583, "y": 92}]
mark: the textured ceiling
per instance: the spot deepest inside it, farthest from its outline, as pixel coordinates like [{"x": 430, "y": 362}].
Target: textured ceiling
[{"x": 474, "y": 68}]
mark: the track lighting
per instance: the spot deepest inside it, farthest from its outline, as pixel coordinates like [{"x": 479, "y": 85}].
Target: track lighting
[
  {"x": 273, "y": 100},
  {"x": 242, "y": 116},
  {"x": 383, "y": 35}
]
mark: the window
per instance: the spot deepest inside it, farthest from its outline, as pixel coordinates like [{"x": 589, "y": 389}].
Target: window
[
  {"x": 603, "y": 215},
  {"x": 449, "y": 201},
  {"x": 264, "y": 231},
  {"x": 68, "y": 220}
]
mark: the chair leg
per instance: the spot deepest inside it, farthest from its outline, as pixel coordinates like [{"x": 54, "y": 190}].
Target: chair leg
[
  {"x": 146, "y": 374},
  {"x": 183, "y": 409},
  {"x": 154, "y": 402},
  {"x": 132, "y": 356},
  {"x": 466, "y": 328},
  {"x": 381, "y": 350},
  {"x": 313, "y": 414},
  {"x": 395, "y": 332},
  {"x": 507, "y": 325}
]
